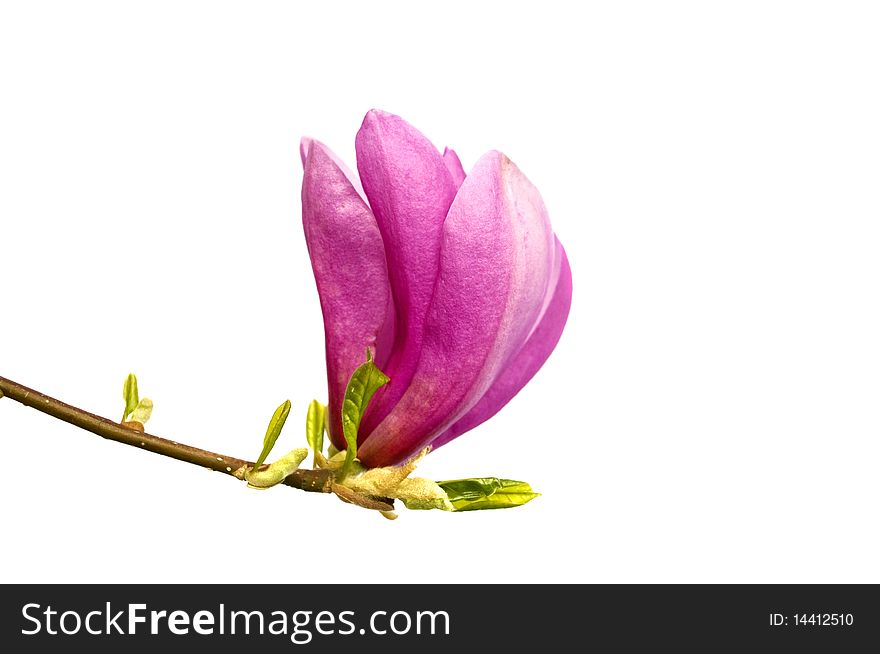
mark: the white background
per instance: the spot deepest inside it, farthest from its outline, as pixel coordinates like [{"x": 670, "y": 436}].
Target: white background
[{"x": 711, "y": 413}]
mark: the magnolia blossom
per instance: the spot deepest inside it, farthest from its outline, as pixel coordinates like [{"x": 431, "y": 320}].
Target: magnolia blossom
[{"x": 455, "y": 281}]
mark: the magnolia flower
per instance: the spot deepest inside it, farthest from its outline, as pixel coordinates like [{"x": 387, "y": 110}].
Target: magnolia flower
[{"x": 456, "y": 282}]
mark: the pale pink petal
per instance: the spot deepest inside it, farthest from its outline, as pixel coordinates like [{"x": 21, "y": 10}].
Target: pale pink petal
[
  {"x": 453, "y": 163},
  {"x": 523, "y": 366},
  {"x": 496, "y": 265}
]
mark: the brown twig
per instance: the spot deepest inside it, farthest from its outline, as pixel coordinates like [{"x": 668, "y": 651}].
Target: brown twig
[{"x": 317, "y": 481}]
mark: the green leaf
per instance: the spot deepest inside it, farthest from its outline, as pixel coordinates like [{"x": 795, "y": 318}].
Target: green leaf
[
  {"x": 364, "y": 383},
  {"x": 273, "y": 432},
  {"x": 130, "y": 395},
  {"x": 315, "y": 419},
  {"x": 487, "y": 493}
]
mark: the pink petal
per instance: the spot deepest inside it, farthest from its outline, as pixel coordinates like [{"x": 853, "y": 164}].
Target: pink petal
[
  {"x": 410, "y": 190},
  {"x": 348, "y": 259},
  {"x": 496, "y": 265},
  {"x": 306, "y": 143},
  {"x": 523, "y": 366},
  {"x": 453, "y": 163}
]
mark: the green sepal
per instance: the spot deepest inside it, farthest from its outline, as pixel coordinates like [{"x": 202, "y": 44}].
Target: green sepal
[
  {"x": 423, "y": 505},
  {"x": 364, "y": 383},
  {"x": 487, "y": 493},
  {"x": 315, "y": 419},
  {"x": 277, "y": 471},
  {"x": 142, "y": 411},
  {"x": 273, "y": 432},
  {"x": 130, "y": 395}
]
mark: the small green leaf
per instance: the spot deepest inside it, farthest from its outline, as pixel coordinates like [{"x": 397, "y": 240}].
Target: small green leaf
[
  {"x": 487, "y": 493},
  {"x": 315, "y": 419},
  {"x": 130, "y": 395},
  {"x": 364, "y": 383},
  {"x": 273, "y": 432}
]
